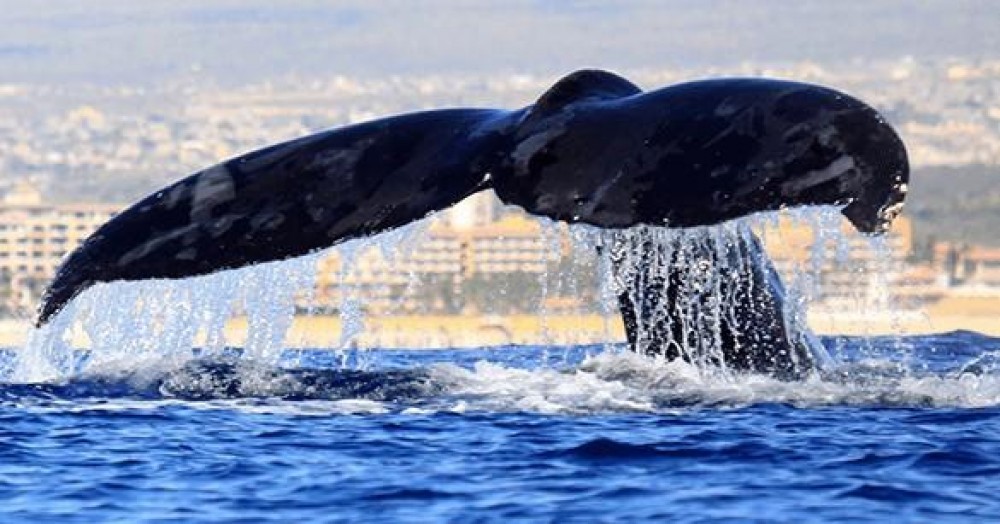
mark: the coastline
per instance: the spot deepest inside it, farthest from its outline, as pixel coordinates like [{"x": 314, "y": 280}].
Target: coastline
[{"x": 449, "y": 331}]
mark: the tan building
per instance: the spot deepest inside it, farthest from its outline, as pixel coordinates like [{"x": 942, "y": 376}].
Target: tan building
[
  {"x": 850, "y": 267},
  {"x": 428, "y": 271},
  {"x": 426, "y": 275},
  {"x": 969, "y": 266},
  {"x": 984, "y": 267},
  {"x": 35, "y": 237}
]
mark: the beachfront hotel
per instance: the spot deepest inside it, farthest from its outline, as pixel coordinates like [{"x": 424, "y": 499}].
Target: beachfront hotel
[{"x": 35, "y": 237}]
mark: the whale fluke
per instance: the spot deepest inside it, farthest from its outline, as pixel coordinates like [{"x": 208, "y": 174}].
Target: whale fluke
[
  {"x": 704, "y": 152},
  {"x": 593, "y": 149},
  {"x": 287, "y": 200}
]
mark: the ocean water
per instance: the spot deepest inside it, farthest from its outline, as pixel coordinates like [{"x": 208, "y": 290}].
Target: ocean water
[{"x": 902, "y": 428}]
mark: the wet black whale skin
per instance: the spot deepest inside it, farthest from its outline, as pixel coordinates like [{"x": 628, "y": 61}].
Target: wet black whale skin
[{"x": 593, "y": 149}]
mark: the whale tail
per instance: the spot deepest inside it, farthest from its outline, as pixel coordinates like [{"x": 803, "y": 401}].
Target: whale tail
[
  {"x": 703, "y": 152},
  {"x": 288, "y": 200},
  {"x": 593, "y": 149}
]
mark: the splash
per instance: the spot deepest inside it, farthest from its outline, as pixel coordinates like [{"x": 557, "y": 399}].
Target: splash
[
  {"x": 138, "y": 337},
  {"x": 162, "y": 324},
  {"x": 612, "y": 382},
  {"x": 691, "y": 288},
  {"x": 587, "y": 381}
]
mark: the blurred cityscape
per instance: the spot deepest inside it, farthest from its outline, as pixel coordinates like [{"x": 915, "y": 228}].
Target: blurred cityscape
[
  {"x": 119, "y": 143},
  {"x": 70, "y": 157}
]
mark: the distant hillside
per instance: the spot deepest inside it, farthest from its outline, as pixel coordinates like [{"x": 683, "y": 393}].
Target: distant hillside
[
  {"x": 127, "y": 42},
  {"x": 960, "y": 203}
]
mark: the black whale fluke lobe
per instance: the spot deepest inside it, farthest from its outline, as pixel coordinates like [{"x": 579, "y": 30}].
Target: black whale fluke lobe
[
  {"x": 288, "y": 200},
  {"x": 594, "y": 149},
  {"x": 704, "y": 152}
]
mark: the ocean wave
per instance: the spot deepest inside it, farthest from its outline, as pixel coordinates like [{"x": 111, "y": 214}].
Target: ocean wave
[{"x": 522, "y": 380}]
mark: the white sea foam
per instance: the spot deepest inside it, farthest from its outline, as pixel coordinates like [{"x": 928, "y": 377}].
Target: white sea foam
[
  {"x": 141, "y": 337},
  {"x": 626, "y": 382}
]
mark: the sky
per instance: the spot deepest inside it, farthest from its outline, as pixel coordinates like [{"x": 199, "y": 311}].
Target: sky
[{"x": 238, "y": 41}]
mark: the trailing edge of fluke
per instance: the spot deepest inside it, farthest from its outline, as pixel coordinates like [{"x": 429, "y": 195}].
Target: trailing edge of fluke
[{"x": 593, "y": 149}]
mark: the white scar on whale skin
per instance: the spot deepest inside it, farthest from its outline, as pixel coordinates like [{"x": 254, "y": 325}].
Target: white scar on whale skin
[
  {"x": 834, "y": 170},
  {"x": 213, "y": 187},
  {"x": 280, "y": 153},
  {"x": 341, "y": 163},
  {"x": 153, "y": 244},
  {"x": 528, "y": 147},
  {"x": 595, "y": 198}
]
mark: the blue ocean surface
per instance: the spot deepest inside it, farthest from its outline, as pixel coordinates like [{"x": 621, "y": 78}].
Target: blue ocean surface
[{"x": 906, "y": 429}]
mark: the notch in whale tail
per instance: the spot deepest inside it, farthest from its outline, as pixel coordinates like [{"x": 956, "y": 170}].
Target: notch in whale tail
[{"x": 288, "y": 200}]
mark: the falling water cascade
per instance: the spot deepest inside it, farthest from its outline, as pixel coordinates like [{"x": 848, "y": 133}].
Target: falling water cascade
[{"x": 146, "y": 331}]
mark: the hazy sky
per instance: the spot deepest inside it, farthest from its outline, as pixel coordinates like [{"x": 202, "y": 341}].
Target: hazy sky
[{"x": 238, "y": 40}]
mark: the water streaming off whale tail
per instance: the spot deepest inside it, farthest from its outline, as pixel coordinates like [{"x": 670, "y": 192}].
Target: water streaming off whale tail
[{"x": 139, "y": 337}]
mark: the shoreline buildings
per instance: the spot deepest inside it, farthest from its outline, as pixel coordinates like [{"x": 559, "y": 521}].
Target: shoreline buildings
[
  {"x": 34, "y": 238},
  {"x": 482, "y": 259},
  {"x": 113, "y": 144}
]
